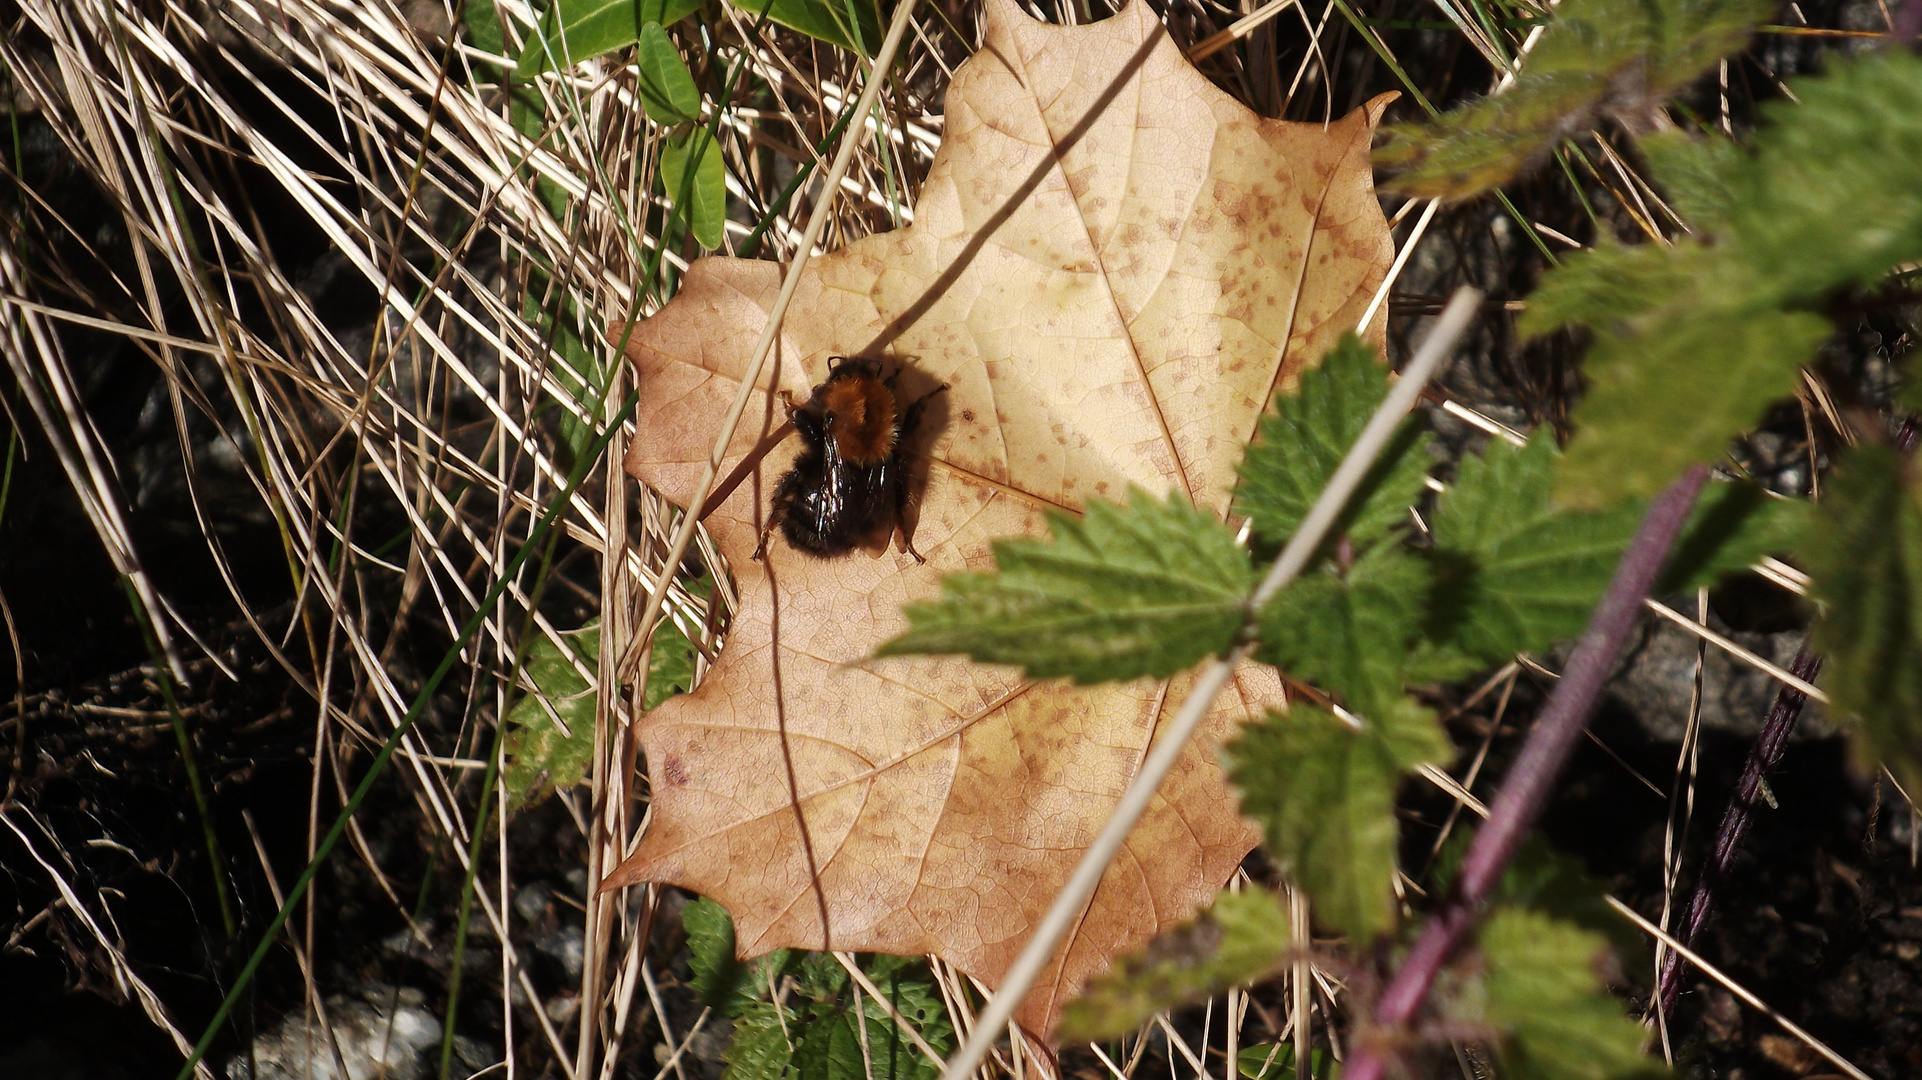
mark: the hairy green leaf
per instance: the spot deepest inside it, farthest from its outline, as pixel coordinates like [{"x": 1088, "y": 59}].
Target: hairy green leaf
[
  {"x": 1545, "y": 880},
  {"x": 703, "y": 198},
  {"x": 1597, "y": 59},
  {"x": 760, "y": 1047},
  {"x": 1324, "y": 794},
  {"x": 1611, "y": 283},
  {"x": 721, "y": 980},
  {"x": 667, "y": 89},
  {"x": 813, "y": 1032},
  {"x": 1545, "y": 995},
  {"x": 550, "y": 732},
  {"x": 1694, "y": 340},
  {"x": 1732, "y": 527},
  {"x": 1302, "y": 443},
  {"x": 1487, "y": 144},
  {"x": 1676, "y": 393},
  {"x": 1865, "y": 556},
  {"x": 1149, "y": 588},
  {"x": 1692, "y": 171},
  {"x": 1349, "y": 629},
  {"x": 1237, "y": 940},
  {"x": 571, "y": 31},
  {"x": 1830, "y": 198},
  {"x": 670, "y": 666},
  {"x": 1514, "y": 573}
]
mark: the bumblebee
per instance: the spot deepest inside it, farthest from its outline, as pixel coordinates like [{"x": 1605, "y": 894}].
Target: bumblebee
[{"x": 849, "y": 486}]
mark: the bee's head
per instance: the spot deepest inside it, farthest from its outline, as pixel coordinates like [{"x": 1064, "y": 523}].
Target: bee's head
[{"x": 812, "y": 423}]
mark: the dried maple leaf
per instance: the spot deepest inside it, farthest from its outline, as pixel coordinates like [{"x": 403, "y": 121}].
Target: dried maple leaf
[{"x": 1113, "y": 266}]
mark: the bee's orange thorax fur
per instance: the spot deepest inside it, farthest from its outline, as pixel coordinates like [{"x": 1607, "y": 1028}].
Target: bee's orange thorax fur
[{"x": 863, "y": 411}]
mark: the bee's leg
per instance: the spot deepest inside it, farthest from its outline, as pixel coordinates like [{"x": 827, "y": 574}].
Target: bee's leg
[
  {"x": 901, "y": 523},
  {"x": 907, "y": 545},
  {"x": 787, "y": 401},
  {"x": 767, "y": 530},
  {"x": 912, "y": 418}
]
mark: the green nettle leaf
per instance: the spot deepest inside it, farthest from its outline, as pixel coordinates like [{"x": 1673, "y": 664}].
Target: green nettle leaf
[
  {"x": 1692, "y": 171},
  {"x": 1676, "y": 393},
  {"x": 1149, "y": 588},
  {"x": 909, "y": 987},
  {"x": 1865, "y": 556},
  {"x": 812, "y": 1033},
  {"x": 1829, "y": 198},
  {"x": 1545, "y": 880},
  {"x": 721, "y": 980},
  {"x": 670, "y": 666},
  {"x": 667, "y": 89},
  {"x": 1237, "y": 940},
  {"x": 705, "y": 195},
  {"x": 759, "y": 1049},
  {"x": 1514, "y": 573},
  {"x": 1545, "y": 995},
  {"x": 1611, "y": 282},
  {"x": 1349, "y": 630},
  {"x": 550, "y": 733},
  {"x": 1598, "y": 59},
  {"x": 571, "y": 31},
  {"x": 1694, "y": 340},
  {"x": 1302, "y": 443},
  {"x": 828, "y": 1051},
  {"x": 541, "y": 755},
  {"x": 1324, "y": 793},
  {"x": 826, "y": 1045},
  {"x": 1733, "y": 526}
]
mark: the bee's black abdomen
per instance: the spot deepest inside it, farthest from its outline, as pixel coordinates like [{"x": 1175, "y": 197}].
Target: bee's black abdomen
[{"x": 848, "y": 486}]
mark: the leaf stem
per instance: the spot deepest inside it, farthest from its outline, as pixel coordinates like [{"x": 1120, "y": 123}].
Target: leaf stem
[
  {"x": 1532, "y": 778},
  {"x": 1766, "y": 754},
  {"x": 1074, "y": 895},
  {"x": 1763, "y": 757}
]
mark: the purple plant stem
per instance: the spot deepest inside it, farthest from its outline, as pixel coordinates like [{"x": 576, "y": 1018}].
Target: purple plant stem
[
  {"x": 1531, "y": 779},
  {"x": 1766, "y": 754},
  {"x": 1762, "y": 759},
  {"x": 1908, "y": 23}
]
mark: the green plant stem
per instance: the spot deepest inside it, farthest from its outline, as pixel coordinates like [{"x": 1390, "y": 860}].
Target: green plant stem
[
  {"x": 485, "y": 808},
  {"x": 387, "y": 748},
  {"x": 478, "y": 834},
  {"x": 794, "y": 183},
  {"x": 202, "y": 805}
]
